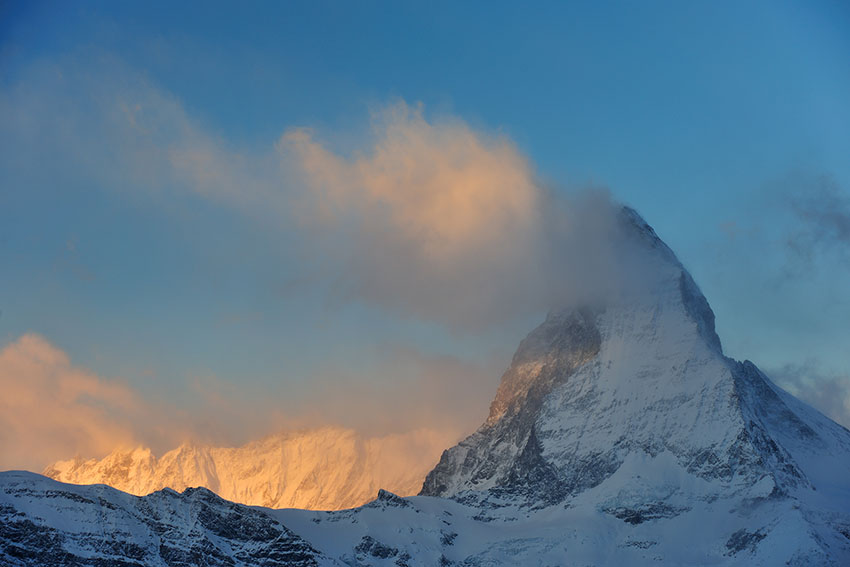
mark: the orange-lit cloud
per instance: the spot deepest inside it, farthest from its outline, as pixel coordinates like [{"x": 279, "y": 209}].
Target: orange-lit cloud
[
  {"x": 429, "y": 218},
  {"x": 451, "y": 191},
  {"x": 433, "y": 216},
  {"x": 426, "y": 218},
  {"x": 436, "y": 220},
  {"x": 50, "y": 408},
  {"x": 405, "y": 390}
]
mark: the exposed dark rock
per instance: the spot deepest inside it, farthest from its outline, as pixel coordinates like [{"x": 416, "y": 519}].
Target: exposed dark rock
[
  {"x": 370, "y": 546},
  {"x": 159, "y": 535},
  {"x": 645, "y": 512},
  {"x": 742, "y": 539}
]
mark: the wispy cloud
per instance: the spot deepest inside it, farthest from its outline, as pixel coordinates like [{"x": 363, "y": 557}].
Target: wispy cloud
[
  {"x": 429, "y": 218},
  {"x": 829, "y": 392},
  {"x": 51, "y": 408},
  {"x": 405, "y": 389},
  {"x": 438, "y": 221},
  {"x": 799, "y": 221},
  {"x": 822, "y": 212},
  {"x": 779, "y": 281}
]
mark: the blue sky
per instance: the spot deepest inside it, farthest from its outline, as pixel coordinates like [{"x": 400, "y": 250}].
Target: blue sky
[{"x": 727, "y": 125}]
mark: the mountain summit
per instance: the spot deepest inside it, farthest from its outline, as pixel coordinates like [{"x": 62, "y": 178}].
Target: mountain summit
[
  {"x": 620, "y": 435},
  {"x": 641, "y": 378}
]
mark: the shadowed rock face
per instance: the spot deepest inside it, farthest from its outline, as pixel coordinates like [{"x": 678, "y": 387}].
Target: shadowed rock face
[
  {"x": 505, "y": 450},
  {"x": 562, "y": 343}
]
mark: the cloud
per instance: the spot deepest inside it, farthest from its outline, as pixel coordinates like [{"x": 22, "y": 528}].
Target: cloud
[
  {"x": 828, "y": 392},
  {"x": 443, "y": 223},
  {"x": 91, "y": 119},
  {"x": 433, "y": 219},
  {"x": 439, "y": 185},
  {"x": 50, "y": 408},
  {"x": 822, "y": 213},
  {"x": 429, "y": 218},
  {"x": 800, "y": 224},
  {"x": 404, "y": 390},
  {"x": 778, "y": 280}
]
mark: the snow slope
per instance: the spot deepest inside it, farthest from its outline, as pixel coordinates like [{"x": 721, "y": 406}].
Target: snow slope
[
  {"x": 324, "y": 469},
  {"x": 46, "y": 523}
]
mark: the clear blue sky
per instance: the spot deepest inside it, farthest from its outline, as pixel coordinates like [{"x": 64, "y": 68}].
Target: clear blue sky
[{"x": 726, "y": 124}]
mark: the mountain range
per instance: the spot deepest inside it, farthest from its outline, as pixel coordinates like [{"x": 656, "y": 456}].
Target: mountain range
[
  {"x": 619, "y": 435},
  {"x": 329, "y": 468}
]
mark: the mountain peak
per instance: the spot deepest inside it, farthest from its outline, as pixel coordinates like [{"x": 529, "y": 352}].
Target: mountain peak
[{"x": 642, "y": 374}]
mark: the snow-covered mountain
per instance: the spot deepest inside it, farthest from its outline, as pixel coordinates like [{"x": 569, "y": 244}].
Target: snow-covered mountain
[
  {"x": 330, "y": 468},
  {"x": 620, "y": 435},
  {"x": 642, "y": 377},
  {"x": 46, "y": 523}
]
